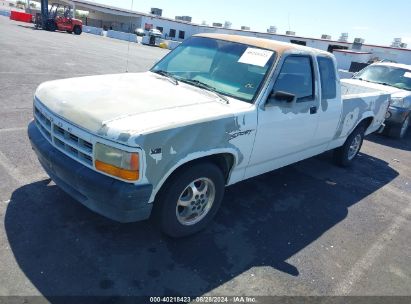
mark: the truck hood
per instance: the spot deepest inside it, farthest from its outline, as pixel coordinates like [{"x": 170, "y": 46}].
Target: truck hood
[
  {"x": 110, "y": 105},
  {"x": 395, "y": 92}
]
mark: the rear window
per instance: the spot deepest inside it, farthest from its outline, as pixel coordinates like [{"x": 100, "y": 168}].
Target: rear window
[{"x": 328, "y": 78}]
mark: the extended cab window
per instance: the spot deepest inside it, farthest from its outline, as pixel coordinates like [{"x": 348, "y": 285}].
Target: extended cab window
[
  {"x": 296, "y": 77},
  {"x": 328, "y": 78}
]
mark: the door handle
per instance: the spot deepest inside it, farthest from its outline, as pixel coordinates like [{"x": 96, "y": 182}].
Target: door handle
[{"x": 313, "y": 110}]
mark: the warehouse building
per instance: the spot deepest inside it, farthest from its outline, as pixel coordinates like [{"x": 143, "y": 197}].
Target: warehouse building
[{"x": 180, "y": 28}]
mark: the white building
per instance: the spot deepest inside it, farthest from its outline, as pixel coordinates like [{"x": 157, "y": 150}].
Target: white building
[{"x": 109, "y": 17}]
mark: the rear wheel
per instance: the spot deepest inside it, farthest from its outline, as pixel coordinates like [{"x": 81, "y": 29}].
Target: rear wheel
[
  {"x": 77, "y": 30},
  {"x": 190, "y": 200},
  {"x": 401, "y": 130},
  {"x": 343, "y": 156}
]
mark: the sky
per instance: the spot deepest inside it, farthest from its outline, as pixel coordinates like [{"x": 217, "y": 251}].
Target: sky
[{"x": 378, "y": 22}]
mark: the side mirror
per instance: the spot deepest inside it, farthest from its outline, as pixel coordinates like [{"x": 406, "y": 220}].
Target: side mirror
[
  {"x": 285, "y": 99},
  {"x": 282, "y": 96}
]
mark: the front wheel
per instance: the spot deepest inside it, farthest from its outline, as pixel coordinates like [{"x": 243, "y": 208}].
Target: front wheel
[
  {"x": 190, "y": 200},
  {"x": 344, "y": 155},
  {"x": 77, "y": 30}
]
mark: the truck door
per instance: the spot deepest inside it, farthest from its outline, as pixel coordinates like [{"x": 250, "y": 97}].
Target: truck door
[{"x": 286, "y": 128}]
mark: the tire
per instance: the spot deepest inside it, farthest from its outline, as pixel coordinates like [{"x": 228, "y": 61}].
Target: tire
[
  {"x": 401, "y": 130},
  {"x": 187, "y": 187},
  {"x": 344, "y": 155},
  {"x": 386, "y": 131},
  {"x": 51, "y": 26},
  {"x": 77, "y": 30}
]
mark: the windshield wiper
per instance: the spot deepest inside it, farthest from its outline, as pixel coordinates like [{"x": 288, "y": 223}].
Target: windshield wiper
[
  {"x": 207, "y": 87},
  {"x": 168, "y": 75}
]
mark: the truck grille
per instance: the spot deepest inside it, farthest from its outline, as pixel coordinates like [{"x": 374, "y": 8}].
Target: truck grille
[{"x": 64, "y": 140}]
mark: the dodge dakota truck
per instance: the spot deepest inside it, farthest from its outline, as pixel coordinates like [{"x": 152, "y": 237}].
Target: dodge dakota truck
[{"x": 217, "y": 110}]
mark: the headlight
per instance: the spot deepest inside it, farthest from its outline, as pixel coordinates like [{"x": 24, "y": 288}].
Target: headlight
[
  {"x": 116, "y": 162},
  {"x": 397, "y": 102}
]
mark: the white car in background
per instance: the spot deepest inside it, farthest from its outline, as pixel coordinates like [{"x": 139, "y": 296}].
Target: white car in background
[
  {"x": 393, "y": 78},
  {"x": 140, "y": 32},
  {"x": 155, "y": 33}
]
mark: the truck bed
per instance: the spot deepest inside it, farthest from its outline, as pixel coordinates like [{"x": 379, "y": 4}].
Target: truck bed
[
  {"x": 348, "y": 88},
  {"x": 358, "y": 103}
]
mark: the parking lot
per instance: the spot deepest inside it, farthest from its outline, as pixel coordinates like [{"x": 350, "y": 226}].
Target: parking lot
[{"x": 342, "y": 232}]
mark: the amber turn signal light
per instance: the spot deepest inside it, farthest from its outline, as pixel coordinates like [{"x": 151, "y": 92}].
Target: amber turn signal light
[{"x": 130, "y": 175}]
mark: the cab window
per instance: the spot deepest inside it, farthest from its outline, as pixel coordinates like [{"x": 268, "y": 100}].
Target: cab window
[{"x": 296, "y": 77}]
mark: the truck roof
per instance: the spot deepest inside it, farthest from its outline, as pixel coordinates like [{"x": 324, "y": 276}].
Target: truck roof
[{"x": 274, "y": 45}]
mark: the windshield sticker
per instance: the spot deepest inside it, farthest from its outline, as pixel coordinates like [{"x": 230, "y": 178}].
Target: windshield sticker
[
  {"x": 407, "y": 74},
  {"x": 255, "y": 56}
]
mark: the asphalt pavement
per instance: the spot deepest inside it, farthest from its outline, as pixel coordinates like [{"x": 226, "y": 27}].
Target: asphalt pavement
[{"x": 307, "y": 229}]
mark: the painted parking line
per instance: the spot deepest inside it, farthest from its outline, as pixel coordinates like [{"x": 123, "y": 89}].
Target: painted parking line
[
  {"x": 369, "y": 258},
  {"x": 16, "y": 175},
  {"x": 44, "y": 73},
  {"x": 13, "y": 129}
]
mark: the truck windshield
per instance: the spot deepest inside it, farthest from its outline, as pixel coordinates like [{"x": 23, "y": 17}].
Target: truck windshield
[
  {"x": 228, "y": 68},
  {"x": 386, "y": 75}
]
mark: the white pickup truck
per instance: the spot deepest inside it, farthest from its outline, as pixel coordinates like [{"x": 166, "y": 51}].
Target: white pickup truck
[{"x": 215, "y": 111}]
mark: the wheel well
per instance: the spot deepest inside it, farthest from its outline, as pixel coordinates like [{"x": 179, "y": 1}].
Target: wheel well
[
  {"x": 224, "y": 161},
  {"x": 366, "y": 122}
]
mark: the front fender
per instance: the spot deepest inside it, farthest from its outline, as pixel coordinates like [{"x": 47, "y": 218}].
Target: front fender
[
  {"x": 167, "y": 150},
  {"x": 192, "y": 157}
]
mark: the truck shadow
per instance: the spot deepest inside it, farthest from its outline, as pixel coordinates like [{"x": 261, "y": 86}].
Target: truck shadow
[
  {"x": 31, "y": 27},
  {"x": 402, "y": 144},
  {"x": 64, "y": 249}
]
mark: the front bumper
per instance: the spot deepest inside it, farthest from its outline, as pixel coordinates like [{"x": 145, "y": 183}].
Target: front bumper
[
  {"x": 117, "y": 200},
  {"x": 396, "y": 115}
]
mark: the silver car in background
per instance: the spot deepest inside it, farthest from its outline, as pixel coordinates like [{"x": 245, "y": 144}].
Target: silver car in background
[{"x": 396, "y": 79}]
